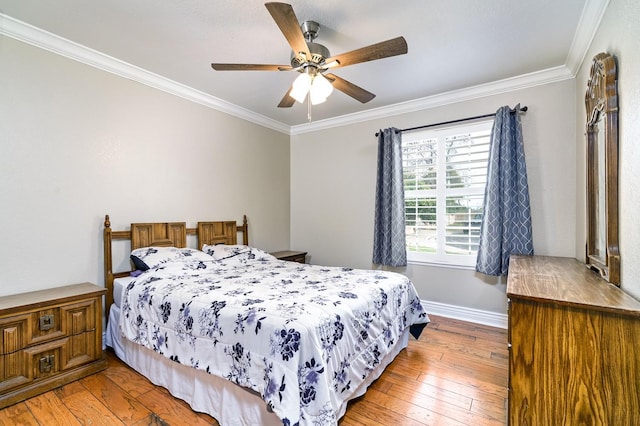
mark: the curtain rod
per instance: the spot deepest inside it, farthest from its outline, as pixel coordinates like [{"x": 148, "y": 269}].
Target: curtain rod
[{"x": 523, "y": 109}]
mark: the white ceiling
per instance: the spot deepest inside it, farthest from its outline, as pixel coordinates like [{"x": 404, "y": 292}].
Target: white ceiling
[{"x": 453, "y": 44}]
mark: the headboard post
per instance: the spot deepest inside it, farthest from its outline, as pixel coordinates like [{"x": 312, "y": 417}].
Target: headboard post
[
  {"x": 108, "y": 264},
  {"x": 245, "y": 228}
]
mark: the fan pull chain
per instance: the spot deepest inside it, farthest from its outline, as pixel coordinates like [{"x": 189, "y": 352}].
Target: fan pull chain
[{"x": 309, "y": 107}]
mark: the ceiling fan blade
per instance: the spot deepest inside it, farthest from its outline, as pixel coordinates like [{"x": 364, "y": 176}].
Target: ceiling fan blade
[
  {"x": 287, "y": 101},
  {"x": 356, "y": 92},
  {"x": 395, "y": 46},
  {"x": 288, "y": 23},
  {"x": 250, "y": 67}
]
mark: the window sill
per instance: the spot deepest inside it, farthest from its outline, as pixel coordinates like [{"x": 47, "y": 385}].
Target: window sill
[{"x": 436, "y": 264}]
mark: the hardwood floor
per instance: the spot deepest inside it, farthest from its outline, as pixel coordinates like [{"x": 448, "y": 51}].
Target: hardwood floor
[{"x": 455, "y": 374}]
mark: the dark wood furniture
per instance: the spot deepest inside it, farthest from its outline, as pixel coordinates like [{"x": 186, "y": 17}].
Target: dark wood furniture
[
  {"x": 291, "y": 256},
  {"x": 573, "y": 337},
  {"x": 49, "y": 338}
]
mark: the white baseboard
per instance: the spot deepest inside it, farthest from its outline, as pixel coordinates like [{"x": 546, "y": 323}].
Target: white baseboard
[{"x": 492, "y": 319}]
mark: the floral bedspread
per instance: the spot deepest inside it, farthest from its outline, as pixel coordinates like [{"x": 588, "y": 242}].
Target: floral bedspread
[{"x": 302, "y": 336}]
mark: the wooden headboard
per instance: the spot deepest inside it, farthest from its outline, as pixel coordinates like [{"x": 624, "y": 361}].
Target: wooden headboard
[{"x": 166, "y": 234}]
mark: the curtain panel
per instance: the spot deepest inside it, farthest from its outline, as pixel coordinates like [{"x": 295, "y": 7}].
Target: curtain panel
[
  {"x": 506, "y": 221},
  {"x": 389, "y": 239}
]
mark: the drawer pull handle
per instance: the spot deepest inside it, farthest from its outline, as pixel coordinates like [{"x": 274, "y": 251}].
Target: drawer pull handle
[
  {"x": 46, "y": 363},
  {"x": 46, "y": 322}
]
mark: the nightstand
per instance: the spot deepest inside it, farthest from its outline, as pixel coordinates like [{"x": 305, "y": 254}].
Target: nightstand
[
  {"x": 291, "y": 256},
  {"x": 49, "y": 338}
]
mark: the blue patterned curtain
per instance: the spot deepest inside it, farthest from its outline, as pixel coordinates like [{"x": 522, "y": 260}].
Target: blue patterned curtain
[
  {"x": 389, "y": 238},
  {"x": 506, "y": 221}
]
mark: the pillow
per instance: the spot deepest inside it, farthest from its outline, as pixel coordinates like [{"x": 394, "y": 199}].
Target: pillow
[
  {"x": 151, "y": 257},
  {"x": 223, "y": 251},
  {"x": 236, "y": 253}
]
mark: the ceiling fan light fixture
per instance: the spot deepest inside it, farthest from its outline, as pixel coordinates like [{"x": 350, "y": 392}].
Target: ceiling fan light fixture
[
  {"x": 320, "y": 89},
  {"x": 316, "y": 99},
  {"x": 300, "y": 87}
]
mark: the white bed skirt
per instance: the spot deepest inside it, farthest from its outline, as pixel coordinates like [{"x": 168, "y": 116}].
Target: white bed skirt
[{"x": 230, "y": 404}]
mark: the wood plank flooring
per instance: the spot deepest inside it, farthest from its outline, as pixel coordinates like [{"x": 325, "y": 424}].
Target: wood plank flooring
[{"x": 455, "y": 374}]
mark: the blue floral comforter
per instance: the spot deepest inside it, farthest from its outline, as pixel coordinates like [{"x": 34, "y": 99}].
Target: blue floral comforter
[{"x": 302, "y": 336}]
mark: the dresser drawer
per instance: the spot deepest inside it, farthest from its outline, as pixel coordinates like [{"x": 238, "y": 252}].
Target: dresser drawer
[
  {"x": 48, "y": 359},
  {"x": 24, "y": 330}
]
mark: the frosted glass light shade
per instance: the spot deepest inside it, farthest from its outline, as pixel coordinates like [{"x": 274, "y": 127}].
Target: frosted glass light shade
[
  {"x": 300, "y": 87},
  {"x": 320, "y": 89}
]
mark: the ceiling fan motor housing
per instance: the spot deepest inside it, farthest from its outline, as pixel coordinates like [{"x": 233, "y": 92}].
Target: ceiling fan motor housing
[{"x": 318, "y": 52}]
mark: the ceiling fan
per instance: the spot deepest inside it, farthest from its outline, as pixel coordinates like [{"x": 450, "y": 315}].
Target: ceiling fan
[{"x": 312, "y": 60}]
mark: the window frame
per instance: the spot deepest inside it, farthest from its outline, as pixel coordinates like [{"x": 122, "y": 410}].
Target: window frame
[{"x": 440, "y": 258}]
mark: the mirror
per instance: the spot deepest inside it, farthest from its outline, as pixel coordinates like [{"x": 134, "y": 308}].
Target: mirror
[{"x": 601, "y": 100}]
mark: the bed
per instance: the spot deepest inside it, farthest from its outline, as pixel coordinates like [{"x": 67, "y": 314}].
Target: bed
[{"x": 248, "y": 338}]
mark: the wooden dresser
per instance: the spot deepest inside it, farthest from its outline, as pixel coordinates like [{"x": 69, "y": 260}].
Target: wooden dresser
[
  {"x": 574, "y": 343},
  {"x": 49, "y": 338}
]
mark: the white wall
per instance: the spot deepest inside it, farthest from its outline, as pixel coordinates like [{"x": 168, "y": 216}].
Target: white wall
[
  {"x": 78, "y": 143},
  {"x": 618, "y": 34},
  {"x": 333, "y": 176}
]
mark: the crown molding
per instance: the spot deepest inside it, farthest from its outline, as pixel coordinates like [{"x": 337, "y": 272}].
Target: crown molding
[
  {"x": 34, "y": 36},
  {"x": 592, "y": 15},
  {"x": 588, "y": 25},
  {"x": 524, "y": 81}
]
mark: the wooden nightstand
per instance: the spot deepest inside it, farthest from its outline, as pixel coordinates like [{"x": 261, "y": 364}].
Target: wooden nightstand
[
  {"x": 291, "y": 256},
  {"x": 49, "y": 338}
]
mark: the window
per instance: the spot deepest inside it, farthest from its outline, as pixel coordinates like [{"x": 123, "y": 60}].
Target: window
[{"x": 445, "y": 173}]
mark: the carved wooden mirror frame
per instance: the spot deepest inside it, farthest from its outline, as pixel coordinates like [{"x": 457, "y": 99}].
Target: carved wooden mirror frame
[{"x": 601, "y": 101}]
